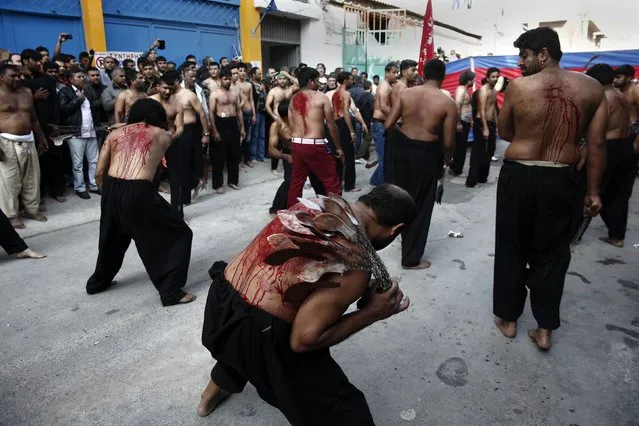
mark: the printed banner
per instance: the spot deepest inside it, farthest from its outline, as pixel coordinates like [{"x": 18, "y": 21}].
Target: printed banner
[{"x": 98, "y": 57}]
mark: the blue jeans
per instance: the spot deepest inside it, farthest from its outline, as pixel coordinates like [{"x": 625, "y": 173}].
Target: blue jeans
[
  {"x": 257, "y": 138},
  {"x": 79, "y": 147},
  {"x": 378, "y": 132}
]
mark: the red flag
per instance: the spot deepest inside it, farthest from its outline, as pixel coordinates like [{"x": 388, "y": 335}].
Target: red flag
[{"x": 427, "y": 48}]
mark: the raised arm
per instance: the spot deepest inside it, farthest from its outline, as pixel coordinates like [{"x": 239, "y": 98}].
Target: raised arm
[{"x": 596, "y": 161}]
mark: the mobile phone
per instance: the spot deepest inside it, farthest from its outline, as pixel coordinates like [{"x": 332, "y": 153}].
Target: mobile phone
[
  {"x": 67, "y": 37},
  {"x": 161, "y": 44}
]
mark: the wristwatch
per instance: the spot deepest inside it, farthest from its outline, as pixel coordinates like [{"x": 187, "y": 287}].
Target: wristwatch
[{"x": 206, "y": 134}]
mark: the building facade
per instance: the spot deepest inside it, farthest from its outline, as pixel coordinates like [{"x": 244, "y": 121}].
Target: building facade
[{"x": 199, "y": 27}]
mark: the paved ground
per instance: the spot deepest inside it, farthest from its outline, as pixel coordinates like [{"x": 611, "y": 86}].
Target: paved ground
[{"x": 120, "y": 358}]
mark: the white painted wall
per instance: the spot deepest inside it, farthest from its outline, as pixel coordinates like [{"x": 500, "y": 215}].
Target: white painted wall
[{"x": 321, "y": 39}]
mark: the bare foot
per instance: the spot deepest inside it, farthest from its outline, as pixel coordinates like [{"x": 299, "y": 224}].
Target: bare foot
[
  {"x": 60, "y": 199},
  {"x": 354, "y": 190},
  {"x": 16, "y": 223},
  {"x": 220, "y": 190},
  {"x": 30, "y": 254},
  {"x": 212, "y": 396},
  {"x": 424, "y": 264},
  {"x": 198, "y": 188},
  {"x": 541, "y": 337},
  {"x": 39, "y": 217},
  {"x": 507, "y": 328},
  {"x": 188, "y": 298},
  {"x": 234, "y": 186},
  {"x": 612, "y": 241}
]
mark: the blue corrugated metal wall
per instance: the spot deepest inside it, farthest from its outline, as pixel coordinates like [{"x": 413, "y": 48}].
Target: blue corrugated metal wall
[
  {"x": 199, "y": 27},
  {"x": 29, "y": 23}
]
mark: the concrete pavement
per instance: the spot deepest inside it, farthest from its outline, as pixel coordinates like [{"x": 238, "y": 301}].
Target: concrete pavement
[{"x": 120, "y": 358}]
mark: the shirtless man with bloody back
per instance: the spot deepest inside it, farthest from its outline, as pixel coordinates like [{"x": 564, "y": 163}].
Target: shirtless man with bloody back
[
  {"x": 308, "y": 112},
  {"x": 540, "y": 199},
  {"x": 132, "y": 209},
  {"x": 263, "y": 325}
]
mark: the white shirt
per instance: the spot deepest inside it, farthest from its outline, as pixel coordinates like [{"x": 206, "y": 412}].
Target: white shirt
[{"x": 87, "y": 129}]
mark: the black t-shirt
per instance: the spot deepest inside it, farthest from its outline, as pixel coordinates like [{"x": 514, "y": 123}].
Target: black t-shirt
[{"x": 46, "y": 109}]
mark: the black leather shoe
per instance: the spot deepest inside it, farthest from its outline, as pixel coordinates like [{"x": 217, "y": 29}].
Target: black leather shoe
[
  {"x": 84, "y": 195},
  {"x": 95, "y": 191}
]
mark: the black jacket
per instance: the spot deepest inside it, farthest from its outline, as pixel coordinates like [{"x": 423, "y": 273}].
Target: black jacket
[{"x": 70, "y": 106}]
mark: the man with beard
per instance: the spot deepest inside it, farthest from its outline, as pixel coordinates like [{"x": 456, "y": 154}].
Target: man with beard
[
  {"x": 175, "y": 120},
  {"x": 484, "y": 131},
  {"x": 106, "y": 74},
  {"x": 248, "y": 111},
  {"x": 45, "y": 101},
  {"x": 132, "y": 209},
  {"x": 162, "y": 65},
  {"x": 427, "y": 114},
  {"x": 20, "y": 141},
  {"x": 259, "y": 332},
  {"x": 382, "y": 109},
  {"x": 195, "y": 136},
  {"x": 227, "y": 129},
  {"x": 465, "y": 112},
  {"x": 623, "y": 81},
  {"x": 151, "y": 81},
  {"x": 621, "y": 162},
  {"x": 110, "y": 94},
  {"x": 540, "y": 200},
  {"x": 128, "y": 97}
]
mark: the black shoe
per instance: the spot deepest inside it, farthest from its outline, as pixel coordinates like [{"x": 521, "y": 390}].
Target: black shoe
[
  {"x": 95, "y": 191},
  {"x": 84, "y": 195}
]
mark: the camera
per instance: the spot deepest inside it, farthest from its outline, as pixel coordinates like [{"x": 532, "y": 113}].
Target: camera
[{"x": 161, "y": 44}]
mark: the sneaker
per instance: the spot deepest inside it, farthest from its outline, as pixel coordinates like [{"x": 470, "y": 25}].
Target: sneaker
[
  {"x": 359, "y": 161},
  {"x": 95, "y": 191},
  {"x": 83, "y": 194},
  {"x": 493, "y": 158},
  {"x": 276, "y": 172}
]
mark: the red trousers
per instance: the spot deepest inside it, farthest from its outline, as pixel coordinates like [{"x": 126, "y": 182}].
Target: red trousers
[{"x": 312, "y": 158}]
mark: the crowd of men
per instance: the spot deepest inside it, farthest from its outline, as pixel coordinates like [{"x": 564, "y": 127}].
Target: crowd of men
[{"x": 561, "y": 126}]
